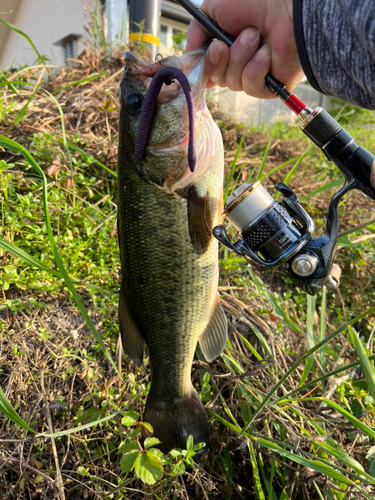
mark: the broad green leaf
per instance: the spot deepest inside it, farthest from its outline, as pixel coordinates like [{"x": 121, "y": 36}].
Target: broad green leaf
[
  {"x": 189, "y": 443},
  {"x": 148, "y": 468},
  {"x": 151, "y": 442},
  {"x": 146, "y": 429},
  {"x": 199, "y": 446},
  {"x": 83, "y": 471},
  {"x": 127, "y": 462},
  {"x": 368, "y": 370},
  {"x": 155, "y": 451},
  {"x": 147, "y": 426},
  {"x": 371, "y": 458},
  {"x": 131, "y": 445},
  {"x": 344, "y": 241},
  {"x": 130, "y": 418},
  {"x": 174, "y": 453},
  {"x": 178, "y": 468}
]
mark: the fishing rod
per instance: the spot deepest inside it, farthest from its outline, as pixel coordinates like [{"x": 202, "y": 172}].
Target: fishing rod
[{"x": 279, "y": 235}]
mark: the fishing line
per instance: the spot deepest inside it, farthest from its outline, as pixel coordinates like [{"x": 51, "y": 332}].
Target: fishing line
[{"x": 72, "y": 11}]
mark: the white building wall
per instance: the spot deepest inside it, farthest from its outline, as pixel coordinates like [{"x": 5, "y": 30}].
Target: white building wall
[
  {"x": 46, "y": 22},
  {"x": 167, "y": 48},
  {"x": 252, "y": 111}
]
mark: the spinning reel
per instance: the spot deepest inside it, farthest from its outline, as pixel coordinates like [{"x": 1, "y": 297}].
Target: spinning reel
[{"x": 279, "y": 235}]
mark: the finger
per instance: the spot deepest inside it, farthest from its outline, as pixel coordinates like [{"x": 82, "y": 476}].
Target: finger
[
  {"x": 241, "y": 52},
  {"x": 196, "y": 36},
  {"x": 255, "y": 72},
  {"x": 216, "y": 61}
]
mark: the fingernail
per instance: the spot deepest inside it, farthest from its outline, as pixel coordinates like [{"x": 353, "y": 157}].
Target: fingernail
[
  {"x": 215, "y": 53},
  {"x": 262, "y": 53},
  {"x": 248, "y": 36}
]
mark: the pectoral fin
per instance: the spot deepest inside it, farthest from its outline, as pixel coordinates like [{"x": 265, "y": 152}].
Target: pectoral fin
[
  {"x": 202, "y": 211},
  {"x": 214, "y": 338},
  {"x": 132, "y": 341}
]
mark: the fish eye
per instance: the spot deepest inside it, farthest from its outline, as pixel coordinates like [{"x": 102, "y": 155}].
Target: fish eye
[{"x": 134, "y": 101}]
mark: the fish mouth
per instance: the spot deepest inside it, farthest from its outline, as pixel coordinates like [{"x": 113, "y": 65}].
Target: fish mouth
[{"x": 192, "y": 65}]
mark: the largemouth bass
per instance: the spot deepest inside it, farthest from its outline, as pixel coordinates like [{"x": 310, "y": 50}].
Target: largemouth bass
[{"x": 169, "y": 260}]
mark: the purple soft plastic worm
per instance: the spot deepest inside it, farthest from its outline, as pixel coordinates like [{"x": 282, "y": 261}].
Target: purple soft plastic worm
[{"x": 148, "y": 111}]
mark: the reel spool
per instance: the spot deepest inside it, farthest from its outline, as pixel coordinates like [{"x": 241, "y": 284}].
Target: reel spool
[{"x": 265, "y": 225}]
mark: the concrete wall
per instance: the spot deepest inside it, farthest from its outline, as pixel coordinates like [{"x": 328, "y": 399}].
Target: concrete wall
[
  {"x": 245, "y": 109},
  {"x": 46, "y": 22}
]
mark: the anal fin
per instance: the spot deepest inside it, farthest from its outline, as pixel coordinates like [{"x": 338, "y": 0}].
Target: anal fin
[
  {"x": 214, "y": 338},
  {"x": 132, "y": 341}
]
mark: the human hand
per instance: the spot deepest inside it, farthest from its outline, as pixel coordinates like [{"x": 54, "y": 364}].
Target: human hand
[{"x": 264, "y": 44}]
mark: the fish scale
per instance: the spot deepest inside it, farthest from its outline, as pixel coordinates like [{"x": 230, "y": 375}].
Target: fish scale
[{"x": 169, "y": 261}]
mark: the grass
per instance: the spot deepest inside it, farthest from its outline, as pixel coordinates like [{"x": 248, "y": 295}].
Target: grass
[{"x": 291, "y": 399}]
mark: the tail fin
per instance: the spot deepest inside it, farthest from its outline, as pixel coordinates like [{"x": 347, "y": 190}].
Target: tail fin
[{"x": 173, "y": 422}]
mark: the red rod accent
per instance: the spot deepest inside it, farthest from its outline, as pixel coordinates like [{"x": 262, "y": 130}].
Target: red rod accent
[{"x": 295, "y": 104}]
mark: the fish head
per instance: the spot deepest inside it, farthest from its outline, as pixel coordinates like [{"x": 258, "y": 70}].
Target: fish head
[{"x": 165, "y": 160}]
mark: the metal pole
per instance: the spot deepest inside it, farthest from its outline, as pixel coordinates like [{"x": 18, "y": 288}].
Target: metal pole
[
  {"x": 116, "y": 19},
  {"x": 144, "y": 22}
]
